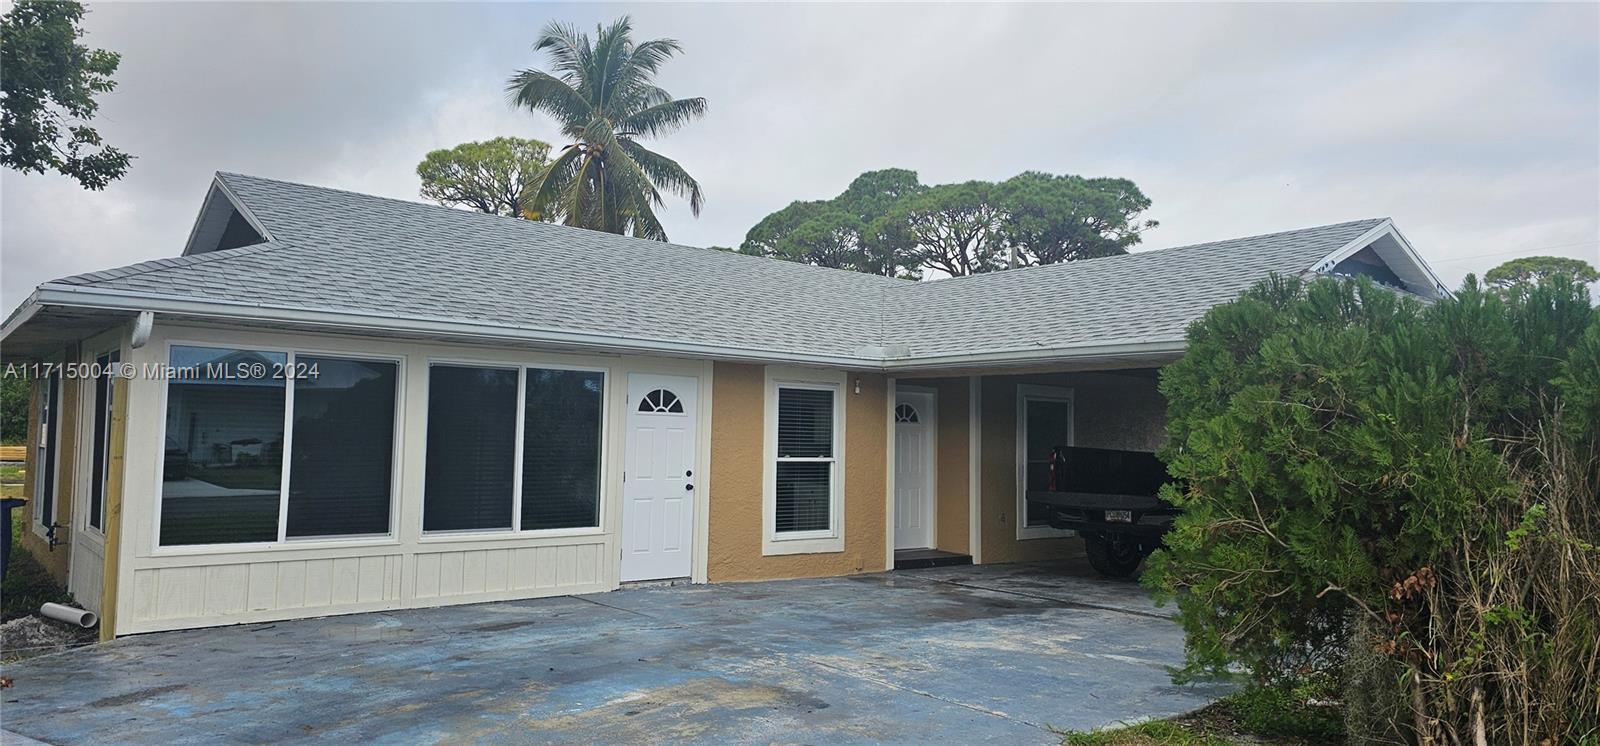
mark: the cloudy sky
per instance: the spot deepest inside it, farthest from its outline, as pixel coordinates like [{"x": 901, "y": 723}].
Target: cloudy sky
[{"x": 1477, "y": 127}]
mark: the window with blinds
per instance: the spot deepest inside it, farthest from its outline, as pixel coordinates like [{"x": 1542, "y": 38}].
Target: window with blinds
[
  {"x": 340, "y": 472},
  {"x": 474, "y": 470},
  {"x": 561, "y": 449},
  {"x": 806, "y": 458},
  {"x": 472, "y": 438},
  {"x": 223, "y": 476}
]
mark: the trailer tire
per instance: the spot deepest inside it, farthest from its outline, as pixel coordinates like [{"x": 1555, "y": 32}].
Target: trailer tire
[{"x": 1113, "y": 555}]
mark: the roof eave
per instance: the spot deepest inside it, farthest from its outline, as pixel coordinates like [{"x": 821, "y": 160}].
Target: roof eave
[
  {"x": 51, "y": 294},
  {"x": 88, "y": 297}
]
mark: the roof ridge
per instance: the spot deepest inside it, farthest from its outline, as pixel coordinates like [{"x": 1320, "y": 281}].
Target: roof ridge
[
  {"x": 540, "y": 225},
  {"x": 1152, "y": 252},
  {"x": 171, "y": 262}
]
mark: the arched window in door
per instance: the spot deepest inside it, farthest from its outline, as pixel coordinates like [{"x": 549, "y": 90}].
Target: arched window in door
[{"x": 661, "y": 401}]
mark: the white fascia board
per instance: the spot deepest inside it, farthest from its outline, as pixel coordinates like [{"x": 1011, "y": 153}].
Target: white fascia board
[
  {"x": 218, "y": 187},
  {"x": 1385, "y": 228},
  {"x": 1155, "y": 348},
  {"x": 20, "y": 315}
]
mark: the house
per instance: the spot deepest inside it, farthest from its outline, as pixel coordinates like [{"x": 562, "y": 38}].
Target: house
[{"x": 334, "y": 403}]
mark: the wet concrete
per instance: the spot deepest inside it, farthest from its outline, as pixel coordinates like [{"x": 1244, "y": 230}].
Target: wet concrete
[{"x": 987, "y": 652}]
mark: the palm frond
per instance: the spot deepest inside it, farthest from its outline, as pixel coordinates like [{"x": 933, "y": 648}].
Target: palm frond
[
  {"x": 540, "y": 91},
  {"x": 662, "y": 119},
  {"x": 665, "y": 173},
  {"x": 542, "y": 194},
  {"x": 564, "y": 45}
]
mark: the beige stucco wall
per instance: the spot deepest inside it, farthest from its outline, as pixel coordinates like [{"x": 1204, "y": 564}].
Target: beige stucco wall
[
  {"x": 737, "y": 436},
  {"x": 1110, "y": 411},
  {"x": 954, "y": 441}
]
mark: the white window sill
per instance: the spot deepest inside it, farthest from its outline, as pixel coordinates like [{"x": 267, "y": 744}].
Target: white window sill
[
  {"x": 292, "y": 545},
  {"x": 821, "y": 545},
  {"x": 448, "y": 537}
]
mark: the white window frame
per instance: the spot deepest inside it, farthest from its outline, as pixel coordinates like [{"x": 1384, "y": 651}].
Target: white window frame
[
  {"x": 516, "y": 529},
  {"x": 90, "y": 395},
  {"x": 802, "y": 542},
  {"x": 283, "y": 541},
  {"x": 1028, "y": 393}
]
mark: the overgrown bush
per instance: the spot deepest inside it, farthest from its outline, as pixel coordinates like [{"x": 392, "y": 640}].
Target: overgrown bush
[{"x": 1429, "y": 471}]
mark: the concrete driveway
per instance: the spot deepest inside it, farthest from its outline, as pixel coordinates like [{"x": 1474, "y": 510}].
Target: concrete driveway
[{"x": 992, "y": 652}]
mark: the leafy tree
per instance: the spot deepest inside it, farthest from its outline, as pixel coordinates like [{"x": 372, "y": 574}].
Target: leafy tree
[
  {"x": 605, "y": 99},
  {"x": 1361, "y": 472},
  {"x": 1531, "y": 269},
  {"x": 888, "y": 223},
  {"x": 47, "y": 95},
  {"x": 953, "y": 228},
  {"x": 1053, "y": 219},
  {"x": 845, "y": 232},
  {"x": 14, "y": 392},
  {"x": 487, "y": 176}
]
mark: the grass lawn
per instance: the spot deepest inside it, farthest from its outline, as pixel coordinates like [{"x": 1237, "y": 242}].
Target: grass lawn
[
  {"x": 11, "y": 481},
  {"x": 1251, "y": 717},
  {"x": 27, "y": 585}
]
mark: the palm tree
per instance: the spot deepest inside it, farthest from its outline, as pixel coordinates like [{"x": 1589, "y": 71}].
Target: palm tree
[{"x": 604, "y": 96}]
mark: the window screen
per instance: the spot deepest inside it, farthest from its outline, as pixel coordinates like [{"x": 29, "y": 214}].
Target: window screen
[
  {"x": 472, "y": 428},
  {"x": 223, "y": 462},
  {"x": 341, "y": 466},
  {"x": 805, "y": 469},
  {"x": 561, "y": 449},
  {"x": 1049, "y": 424}
]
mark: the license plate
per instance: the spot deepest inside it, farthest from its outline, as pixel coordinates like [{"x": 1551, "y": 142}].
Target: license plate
[{"x": 1119, "y": 516}]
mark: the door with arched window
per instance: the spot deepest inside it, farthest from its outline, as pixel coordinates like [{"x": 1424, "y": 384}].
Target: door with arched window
[
  {"x": 913, "y": 470},
  {"x": 658, "y": 484}
]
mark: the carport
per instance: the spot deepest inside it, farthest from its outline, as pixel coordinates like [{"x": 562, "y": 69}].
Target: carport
[{"x": 995, "y": 651}]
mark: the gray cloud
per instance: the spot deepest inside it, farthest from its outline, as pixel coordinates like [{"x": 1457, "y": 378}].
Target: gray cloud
[{"x": 1474, "y": 126}]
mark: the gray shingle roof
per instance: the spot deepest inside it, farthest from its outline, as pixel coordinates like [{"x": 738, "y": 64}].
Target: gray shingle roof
[
  {"x": 1141, "y": 297},
  {"x": 333, "y": 250}
]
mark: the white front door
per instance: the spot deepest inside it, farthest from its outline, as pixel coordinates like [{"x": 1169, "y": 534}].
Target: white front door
[
  {"x": 913, "y": 470},
  {"x": 658, "y": 485}
]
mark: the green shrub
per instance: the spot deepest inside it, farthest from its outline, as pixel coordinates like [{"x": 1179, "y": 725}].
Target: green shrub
[{"x": 1350, "y": 453}]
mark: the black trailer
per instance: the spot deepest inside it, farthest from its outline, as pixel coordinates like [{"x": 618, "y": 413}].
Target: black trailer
[{"x": 1110, "y": 498}]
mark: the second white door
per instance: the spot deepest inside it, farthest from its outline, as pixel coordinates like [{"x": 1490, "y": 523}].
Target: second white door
[
  {"x": 658, "y": 485},
  {"x": 913, "y": 470}
]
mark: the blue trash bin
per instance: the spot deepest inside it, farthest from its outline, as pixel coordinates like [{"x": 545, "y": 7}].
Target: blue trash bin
[{"x": 7, "y": 505}]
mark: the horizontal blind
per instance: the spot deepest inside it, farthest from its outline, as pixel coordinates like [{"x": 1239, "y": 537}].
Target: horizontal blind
[
  {"x": 561, "y": 449},
  {"x": 803, "y": 489},
  {"x": 342, "y": 454},
  {"x": 805, "y": 423},
  {"x": 472, "y": 443}
]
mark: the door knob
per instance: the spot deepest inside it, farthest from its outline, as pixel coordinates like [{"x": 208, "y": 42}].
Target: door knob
[{"x": 688, "y": 487}]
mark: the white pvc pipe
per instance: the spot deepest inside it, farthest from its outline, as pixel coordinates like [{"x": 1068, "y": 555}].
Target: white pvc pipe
[{"x": 68, "y": 614}]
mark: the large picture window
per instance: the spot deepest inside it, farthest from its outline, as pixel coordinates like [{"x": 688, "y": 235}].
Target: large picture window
[
  {"x": 480, "y": 479},
  {"x": 341, "y": 471},
  {"x": 229, "y": 417}
]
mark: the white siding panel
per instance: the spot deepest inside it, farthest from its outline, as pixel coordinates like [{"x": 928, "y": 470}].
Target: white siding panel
[{"x": 171, "y": 597}]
